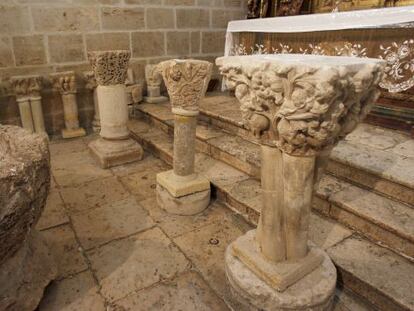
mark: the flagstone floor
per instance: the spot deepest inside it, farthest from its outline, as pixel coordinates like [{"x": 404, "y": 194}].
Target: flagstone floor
[{"x": 116, "y": 250}]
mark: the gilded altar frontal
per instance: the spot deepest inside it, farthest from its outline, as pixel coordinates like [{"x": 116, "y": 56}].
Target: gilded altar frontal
[{"x": 206, "y": 155}]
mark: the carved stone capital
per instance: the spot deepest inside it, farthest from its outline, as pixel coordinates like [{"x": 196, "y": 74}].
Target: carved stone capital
[
  {"x": 110, "y": 67},
  {"x": 187, "y": 82},
  {"x": 89, "y": 77},
  {"x": 29, "y": 86},
  {"x": 153, "y": 75},
  {"x": 302, "y": 104},
  {"x": 64, "y": 82}
]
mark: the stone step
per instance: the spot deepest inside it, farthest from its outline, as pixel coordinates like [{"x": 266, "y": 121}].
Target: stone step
[
  {"x": 240, "y": 192},
  {"x": 373, "y": 157},
  {"x": 388, "y": 223}
]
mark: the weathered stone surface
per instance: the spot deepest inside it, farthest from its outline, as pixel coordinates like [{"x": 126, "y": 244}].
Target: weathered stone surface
[
  {"x": 107, "y": 41},
  {"x": 14, "y": 19},
  {"x": 382, "y": 277},
  {"x": 154, "y": 44},
  {"x": 54, "y": 213},
  {"x": 122, "y": 18},
  {"x": 160, "y": 18},
  {"x": 141, "y": 261},
  {"x": 6, "y": 54},
  {"x": 178, "y": 43},
  {"x": 193, "y": 18},
  {"x": 24, "y": 185},
  {"x": 29, "y": 50},
  {"x": 212, "y": 42},
  {"x": 112, "y": 221},
  {"x": 73, "y": 294},
  {"x": 66, "y": 48},
  {"x": 405, "y": 149},
  {"x": 187, "y": 291}
]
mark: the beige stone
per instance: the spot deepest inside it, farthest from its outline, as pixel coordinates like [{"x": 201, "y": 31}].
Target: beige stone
[
  {"x": 66, "y": 48},
  {"x": 179, "y": 2},
  {"x": 122, "y": 18},
  {"x": 65, "y": 18},
  {"x": 212, "y": 42},
  {"x": 195, "y": 41},
  {"x": 178, "y": 43},
  {"x": 6, "y": 54},
  {"x": 160, "y": 18},
  {"x": 54, "y": 213},
  {"x": 29, "y": 50},
  {"x": 193, "y": 18},
  {"x": 107, "y": 40},
  {"x": 154, "y": 44},
  {"x": 14, "y": 19},
  {"x": 142, "y": 260}
]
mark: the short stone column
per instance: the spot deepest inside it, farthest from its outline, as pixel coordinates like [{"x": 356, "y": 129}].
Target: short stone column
[
  {"x": 26, "y": 264},
  {"x": 182, "y": 191},
  {"x": 298, "y": 107},
  {"x": 114, "y": 147},
  {"x": 154, "y": 79},
  {"x": 91, "y": 86},
  {"x": 65, "y": 84},
  {"x": 35, "y": 86}
]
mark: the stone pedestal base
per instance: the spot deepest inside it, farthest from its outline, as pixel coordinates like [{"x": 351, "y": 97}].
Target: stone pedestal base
[
  {"x": 190, "y": 204},
  {"x": 155, "y": 100},
  {"x": 111, "y": 153},
  {"x": 72, "y": 133},
  {"x": 314, "y": 292},
  {"x": 24, "y": 276}
]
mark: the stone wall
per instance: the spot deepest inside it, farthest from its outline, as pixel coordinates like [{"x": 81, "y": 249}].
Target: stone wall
[{"x": 45, "y": 36}]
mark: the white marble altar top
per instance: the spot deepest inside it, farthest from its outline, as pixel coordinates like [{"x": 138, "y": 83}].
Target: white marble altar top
[{"x": 374, "y": 18}]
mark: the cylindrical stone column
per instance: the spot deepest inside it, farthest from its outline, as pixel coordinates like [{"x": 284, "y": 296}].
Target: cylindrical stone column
[
  {"x": 65, "y": 84},
  {"x": 91, "y": 85},
  {"x": 26, "y": 113},
  {"x": 115, "y": 147},
  {"x": 153, "y": 79},
  {"x": 181, "y": 191},
  {"x": 37, "y": 114}
]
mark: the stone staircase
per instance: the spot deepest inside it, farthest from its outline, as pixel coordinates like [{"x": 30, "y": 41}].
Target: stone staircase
[{"x": 363, "y": 209}]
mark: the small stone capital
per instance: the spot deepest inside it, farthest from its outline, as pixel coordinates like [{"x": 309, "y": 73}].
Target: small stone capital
[
  {"x": 302, "y": 109},
  {"x": 64, "y": 82},
  {"x": 153, "y": 75},
  {"x": 27, "y": 86},
  {"x": 187, "y": 82},
  {"x": 89, "y": 77},
  {"x": 110, "y": 67}
]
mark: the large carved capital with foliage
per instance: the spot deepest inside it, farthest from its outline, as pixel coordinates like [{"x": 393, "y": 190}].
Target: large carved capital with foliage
[
  {"x": 153, "y": 75},
  {"x": 187, "y": 82},
  {"x": 302, "y": 104},
  {"x": 110, "y": 67},
  {"x": 64, "y": 82}
]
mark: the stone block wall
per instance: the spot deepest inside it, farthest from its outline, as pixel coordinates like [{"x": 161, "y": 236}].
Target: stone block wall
[{"x": 45, "y": 36}]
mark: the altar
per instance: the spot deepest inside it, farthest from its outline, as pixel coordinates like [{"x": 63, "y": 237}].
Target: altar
[{"x": 385, "y": 33}]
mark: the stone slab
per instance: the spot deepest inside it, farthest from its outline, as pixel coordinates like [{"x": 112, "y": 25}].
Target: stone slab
[
  {"x": 109, "y": 222},
  {"x": 314, "y": 292},
  {"x": 72, "y": 133},
  {"x": 188, "y": 291},
  {"x": 375, "y": 273},
  {"x": 54, "y": 213},
  {"x": 179, "y": 186},
  {"x": 278, "y": 276},
  {"x": 141, "y": 261},
  {"x": 109, "y": 153},
  {"x": 156, "y": 100}
]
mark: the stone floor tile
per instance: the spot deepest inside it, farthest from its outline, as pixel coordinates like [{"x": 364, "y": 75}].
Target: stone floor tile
[
  {"x": 89, "y": 138},
  {"x": 205, "y": 132},
  {"x": 54, "y": 213},
  {"x": 219, "y": 173},
  {"x": 138, "y": 126},
  {"x": 93, "y": 194},
  {"x": 76, "y": 168},
  {"x": 375, "y": 137},
  {"x": 329, "y": 185},
  {"x": 147, "y": 163},
  {"x": 159, "y": 111},
  {"x": 406, "y": 149},
  {"x": 391, "y": 275},
  {"x": 326, "y": 233},
  {"x": 186, "y": 292},
  {"x": 62, "y": 147},
  {"x": 137, "y": 262},
  {"x": 78, "y": 293},
  {"x": 175, "y": 225},
  {"x": 247, "y": 192},
  {"x": 142, "y": 183},
  {"x": 205, "y": 247},
  {"x": 111, "y": 221},
  {"x": 66, "y": 250},
  {"x": 347, "y": 301}
]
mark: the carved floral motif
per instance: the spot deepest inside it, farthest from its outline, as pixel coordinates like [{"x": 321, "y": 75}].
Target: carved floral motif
[
  {"x": 27, "y": 85},
  {"x": 302, "y": 110},
  {"x": 110, "y": 67},
  {"x": 64, "y": 82},
  {"x": 186, "y": 81},
  {"x": 89, "y": 77}
]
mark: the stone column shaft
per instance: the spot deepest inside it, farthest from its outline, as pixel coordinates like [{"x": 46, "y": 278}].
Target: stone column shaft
[
  {"x": 70, "y": 111},
  {"x": 113, "y": 116},
  {"x": 37, "y": 114},
  {"x": 184, "y": 144},
  {"x": 26, "y": 113},
  {"x": 96, "y": 118}
]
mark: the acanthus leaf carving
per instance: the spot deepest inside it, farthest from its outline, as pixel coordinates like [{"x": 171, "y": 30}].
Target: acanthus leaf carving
[{"x": 110, "y": 67}]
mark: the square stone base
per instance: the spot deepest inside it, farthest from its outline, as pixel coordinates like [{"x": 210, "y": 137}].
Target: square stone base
[
  {"x": 179, "y": 186},
  {"x": 72, "y": 133},
  {"x": 111, "y": 153},
  {"x": 155, "y": 100},
  {"x": 277, "y": 275}
]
